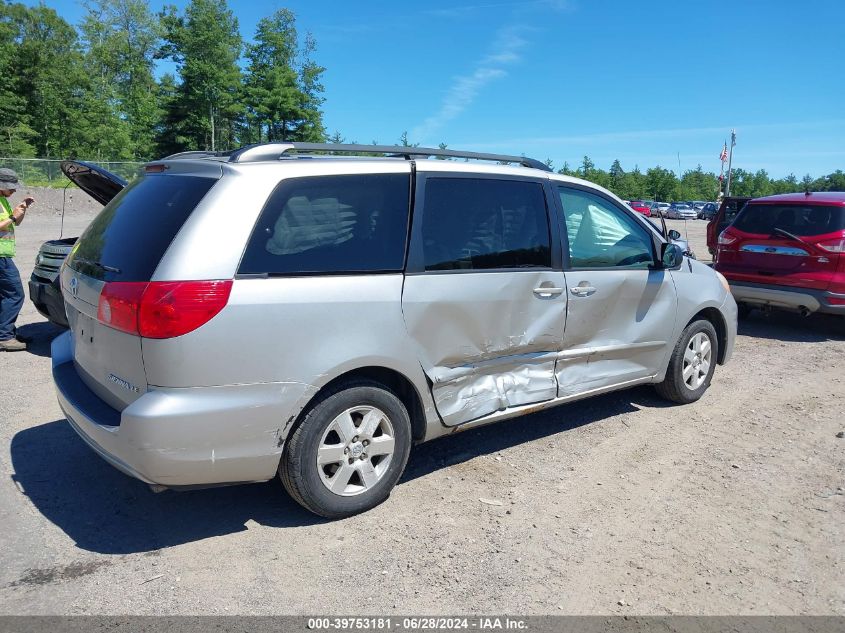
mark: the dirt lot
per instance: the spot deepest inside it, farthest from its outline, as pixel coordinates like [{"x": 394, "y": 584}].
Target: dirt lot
[{"x": 619, "y": 504}]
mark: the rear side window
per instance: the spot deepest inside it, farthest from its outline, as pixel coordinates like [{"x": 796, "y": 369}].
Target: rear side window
[
  {"x": 478, "y": 224},
  {"x": 798, "y": 219},
  {"x": 126, "y": 241},
  {"x": 331, "y": 224}
]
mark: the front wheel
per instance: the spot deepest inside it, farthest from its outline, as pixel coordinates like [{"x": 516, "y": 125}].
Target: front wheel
[
  {"x": 692, "y": 364},
  {"x": 348, "y": 452}
]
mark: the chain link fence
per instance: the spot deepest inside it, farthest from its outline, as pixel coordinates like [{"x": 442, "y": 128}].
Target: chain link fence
[{"x": 46, "y": 172}]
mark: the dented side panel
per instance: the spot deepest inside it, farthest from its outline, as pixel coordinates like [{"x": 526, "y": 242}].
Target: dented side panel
[
  {"x": 617, "y": 333},
  {"x": 487, "y": 341}
]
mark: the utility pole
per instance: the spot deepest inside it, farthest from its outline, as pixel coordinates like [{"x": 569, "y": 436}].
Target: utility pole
[{"x": 730, "y": 159}]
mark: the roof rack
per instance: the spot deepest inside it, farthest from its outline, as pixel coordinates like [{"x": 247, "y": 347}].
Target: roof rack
[
  {"x": 274, "y": 151},
  {"x": 194, "y": 154}
]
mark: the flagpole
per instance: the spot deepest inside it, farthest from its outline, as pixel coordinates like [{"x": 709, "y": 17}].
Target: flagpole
[{"x": 730, "y": 160}]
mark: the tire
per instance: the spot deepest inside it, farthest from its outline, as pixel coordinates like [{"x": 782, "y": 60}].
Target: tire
[
  {"x": 348, "y": 480},
  {"x": 674, "y": 386}
]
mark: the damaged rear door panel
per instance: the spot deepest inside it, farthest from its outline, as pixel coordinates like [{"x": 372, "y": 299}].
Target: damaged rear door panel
[{"x": 484, "y": 298}]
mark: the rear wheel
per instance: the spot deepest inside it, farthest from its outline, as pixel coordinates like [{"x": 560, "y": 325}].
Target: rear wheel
[
  {"x": 692, "y": 364},
  {"x": 348, "y": 452}
]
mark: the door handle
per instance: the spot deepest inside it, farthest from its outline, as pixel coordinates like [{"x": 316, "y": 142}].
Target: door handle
[
  {"x": 582, "y": 290},
  {"x": 544, "y": 291}
]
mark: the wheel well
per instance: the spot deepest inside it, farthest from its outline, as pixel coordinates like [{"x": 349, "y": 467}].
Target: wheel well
[
  {"x": 715, "y": 317},
  {"x": 395, "y": 382}
]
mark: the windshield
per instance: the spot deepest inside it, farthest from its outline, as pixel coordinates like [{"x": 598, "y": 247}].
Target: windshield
[
  {"x": 795, "y": 218},
  {"x": 128, "y": 238}
]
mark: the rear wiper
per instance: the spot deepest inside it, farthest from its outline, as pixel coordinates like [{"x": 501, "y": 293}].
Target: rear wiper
[
  {"x": 110, "y": 269},
  {"x": 792, "y": 236}
]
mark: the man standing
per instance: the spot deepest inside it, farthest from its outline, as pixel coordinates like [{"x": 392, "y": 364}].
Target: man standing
[{"x": 11, "y": 288}]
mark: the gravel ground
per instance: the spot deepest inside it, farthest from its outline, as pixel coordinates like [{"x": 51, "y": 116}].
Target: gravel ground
[{"x": 619, "y": 504}]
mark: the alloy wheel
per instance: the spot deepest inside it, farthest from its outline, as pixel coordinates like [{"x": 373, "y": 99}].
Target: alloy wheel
[
  {"x": 697, "y": 359},
  {"x": 355, "y": 450}
]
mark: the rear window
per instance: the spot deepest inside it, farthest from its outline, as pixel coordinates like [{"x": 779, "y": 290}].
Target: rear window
[
  {"x": 332, "y": 224},
  {"x": 797, "y": 219},
  {"x": 482, "y": 224},
  {"x": 126, "y": 241}
]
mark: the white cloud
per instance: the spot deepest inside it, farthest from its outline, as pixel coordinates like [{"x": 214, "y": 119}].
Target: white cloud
[{"x": 465, "y": 88}]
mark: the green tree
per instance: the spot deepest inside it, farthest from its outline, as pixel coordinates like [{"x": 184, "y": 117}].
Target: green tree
[
  {"x": 206, "y": 45},
  {"x": 282, "y": 88},
  {"x": 122, "y": 38},
  {"x": 617, "y": 177},
  {"x": 404, "y": 142},
  {"x": 49, "y": 81},
  {"x": 16, "y": 135},
  {"x": 660, "y": 183}
]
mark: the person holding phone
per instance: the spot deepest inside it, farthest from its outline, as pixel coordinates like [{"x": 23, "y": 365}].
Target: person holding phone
[{"x": 11, "y": 288}]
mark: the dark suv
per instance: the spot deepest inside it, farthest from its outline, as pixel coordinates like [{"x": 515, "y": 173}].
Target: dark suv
[
  {"x": 786, "y": 252},
  {"x": 44, "y": 290}
]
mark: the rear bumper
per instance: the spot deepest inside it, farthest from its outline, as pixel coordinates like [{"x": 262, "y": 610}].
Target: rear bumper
[
  {"x": 181, "y": 437},
  {"x": 47, "y": 298},
  {"x": 786, "y": 298}
]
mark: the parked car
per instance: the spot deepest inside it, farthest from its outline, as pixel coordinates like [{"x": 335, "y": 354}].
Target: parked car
[
  {"x": 787, "y": 252},
  {"x": 44, "y": 290},
  {"x": 660, "y": 208},
  {"x": 708, "y": 211},
  {"x": 239, "y": 314},
  {"x": 726, "y": 214},
  {"x": 640, "y": 207},
  {"x": 681, "y": 211}
]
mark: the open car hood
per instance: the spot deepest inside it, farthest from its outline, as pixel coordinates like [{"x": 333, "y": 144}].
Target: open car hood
[{"x": 93, "y": 180}]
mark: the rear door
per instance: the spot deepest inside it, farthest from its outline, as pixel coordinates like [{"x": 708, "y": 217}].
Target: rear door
[
  {"x": 724, "y": 217},
  {"x": 123, "y": 245},
  {"x": 622, "y": 310},
  {"x": 484, "y": 299},
  {"x": 98, "y": 183},
  {"x": 764, "y": 253}
]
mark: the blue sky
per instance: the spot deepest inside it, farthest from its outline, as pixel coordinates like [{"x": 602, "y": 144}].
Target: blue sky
[{"x": 646, "y": 82}]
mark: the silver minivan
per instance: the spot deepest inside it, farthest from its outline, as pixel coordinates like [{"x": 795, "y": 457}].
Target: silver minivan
[{"x": 279, "y": 309}]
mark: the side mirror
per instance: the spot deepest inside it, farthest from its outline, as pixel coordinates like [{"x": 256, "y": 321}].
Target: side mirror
[
  {"x": 671, "y": 255},
  {"x": 674, "y": 235}
]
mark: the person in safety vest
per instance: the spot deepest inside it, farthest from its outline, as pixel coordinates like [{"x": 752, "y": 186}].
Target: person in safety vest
[{"x": 11, "y": 288}]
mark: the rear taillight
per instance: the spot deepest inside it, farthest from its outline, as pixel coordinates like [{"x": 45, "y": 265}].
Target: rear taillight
[
  {"x": 833, "y": 246},
  {"x": 726, "y": 239},
  {"x": 161, "y": 309},
  {"x": 174, "y": 308},
  {"x": 119, "y": 303}
]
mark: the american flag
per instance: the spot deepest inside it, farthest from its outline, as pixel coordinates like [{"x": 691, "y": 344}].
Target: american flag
[{"x": 724, "y": 155}]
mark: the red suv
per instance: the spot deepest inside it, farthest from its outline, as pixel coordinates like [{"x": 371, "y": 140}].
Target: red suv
[
  {"x": 641, "y": 207},
  {"x": 787, "y": 252}
]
